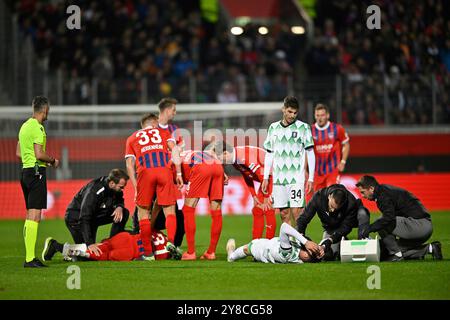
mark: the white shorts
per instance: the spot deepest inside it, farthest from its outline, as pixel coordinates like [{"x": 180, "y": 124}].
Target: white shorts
[{"x": 288, "y": 196}]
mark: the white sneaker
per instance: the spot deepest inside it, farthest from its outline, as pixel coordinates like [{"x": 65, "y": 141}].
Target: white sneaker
[{"x": 231, "y": 246}]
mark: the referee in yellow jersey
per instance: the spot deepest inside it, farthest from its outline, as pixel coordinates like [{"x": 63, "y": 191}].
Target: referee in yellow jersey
[{"x": 31, "y": 150}]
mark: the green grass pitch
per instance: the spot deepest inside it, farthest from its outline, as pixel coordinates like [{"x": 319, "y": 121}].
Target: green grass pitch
[{"x": 219, "y": 279}]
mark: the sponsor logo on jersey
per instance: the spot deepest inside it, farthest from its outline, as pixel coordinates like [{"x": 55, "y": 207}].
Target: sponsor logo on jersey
[{"x": 324, "y": 147}]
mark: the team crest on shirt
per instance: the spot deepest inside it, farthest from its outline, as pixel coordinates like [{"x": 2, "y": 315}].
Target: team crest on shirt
[
  {"x": 294, "y": 134},
  {"x": 331, "y": 135}
]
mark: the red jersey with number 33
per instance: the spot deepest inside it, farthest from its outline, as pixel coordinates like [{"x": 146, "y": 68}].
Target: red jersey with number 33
[{"x": 149, "y": 147}]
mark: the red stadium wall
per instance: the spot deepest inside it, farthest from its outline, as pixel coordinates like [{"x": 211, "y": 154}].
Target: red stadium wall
[
  {"x": 431, "y": 189},
  {"x": 106, "y": 149}
]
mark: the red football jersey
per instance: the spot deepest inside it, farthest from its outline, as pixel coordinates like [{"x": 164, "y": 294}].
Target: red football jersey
[
  {"x": 149, "y": 147},
  {"x": 328, "y": 143},
  {"x": 159, "y": 243},
  {"x": 190, "y": 158},
  {"x": 172, "y": 129},
  {"x": 250, "y": 163}
]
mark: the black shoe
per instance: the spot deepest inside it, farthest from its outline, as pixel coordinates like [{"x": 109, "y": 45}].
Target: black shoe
[
  {"x": 436, "y": 250},
  {"x": 394, "y": 258},
  {"x": 35, "y": 263},
  {"x": 49, "y": 249}
]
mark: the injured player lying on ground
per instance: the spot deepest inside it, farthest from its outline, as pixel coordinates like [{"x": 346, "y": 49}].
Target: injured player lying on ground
[
  {"x": 121, "y": 247},
  {"x": 289, "y": 247}
]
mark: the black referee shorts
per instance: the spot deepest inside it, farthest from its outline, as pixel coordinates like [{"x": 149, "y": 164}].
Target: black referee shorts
[{"x": 34, "y": 188}]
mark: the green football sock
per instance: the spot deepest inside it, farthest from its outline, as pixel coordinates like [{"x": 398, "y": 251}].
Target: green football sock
[{"x": 30, "y": 230}]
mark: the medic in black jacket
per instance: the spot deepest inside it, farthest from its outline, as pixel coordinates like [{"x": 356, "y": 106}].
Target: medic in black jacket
[
  {"x": 339, "y": 212},
  {"x": 98, "y": 203}
]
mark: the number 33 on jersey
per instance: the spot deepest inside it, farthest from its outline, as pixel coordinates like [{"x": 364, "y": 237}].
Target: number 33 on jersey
[{"x": 149, "y": 147}]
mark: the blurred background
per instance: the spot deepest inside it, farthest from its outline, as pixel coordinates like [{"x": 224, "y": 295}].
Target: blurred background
[{"x": 229, "y": 63}]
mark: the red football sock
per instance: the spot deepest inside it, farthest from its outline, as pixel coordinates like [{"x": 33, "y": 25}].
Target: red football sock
[
  {"x": 258, "y": 223},
  {"x": 216, "y": 229},
  {"x": 171, "y": 227},
  {"x": 145, "y": 230},
  {"x": 189, "y": 227},
  {"x": 271, "y": 224}
]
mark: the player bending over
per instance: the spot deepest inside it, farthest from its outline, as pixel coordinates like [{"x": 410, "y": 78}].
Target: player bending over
[{"x": 282, "y": 249}]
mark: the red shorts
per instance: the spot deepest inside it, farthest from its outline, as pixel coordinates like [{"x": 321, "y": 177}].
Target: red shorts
[
  {"x": 155, "y": 181},
  {"x": 324, "y": 181},
  {"x": 205, "y": 181},
  {"x": 122, "y": 247}
]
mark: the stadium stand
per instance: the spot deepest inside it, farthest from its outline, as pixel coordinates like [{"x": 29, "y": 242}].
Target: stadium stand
[{"x": 136, "y": 51}]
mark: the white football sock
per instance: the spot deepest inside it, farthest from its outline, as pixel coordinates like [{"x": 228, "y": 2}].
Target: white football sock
[{"x": 237, "y": 254}]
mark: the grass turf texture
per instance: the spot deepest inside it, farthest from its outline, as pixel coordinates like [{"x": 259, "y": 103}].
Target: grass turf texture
[{"x": 218, "y": 279}]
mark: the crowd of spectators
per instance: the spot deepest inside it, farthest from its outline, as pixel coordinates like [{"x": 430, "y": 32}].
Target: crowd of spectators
[
  {"x": 398, "y": 67},
  {"x": 162, "y": 47},
  {"x": 136, "y": 51}
]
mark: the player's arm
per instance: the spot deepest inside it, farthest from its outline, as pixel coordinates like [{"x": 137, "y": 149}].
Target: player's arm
[
  {"x": 268, "y": 161},
  {"x": 345, "y": 141},
  {"x": 346, "y": 225},
  {"x": 287, "y": 231},
  {"x": 176, "y": 159},
  {"x": 131, "y": 170},
  {"x": 43, "y": 156},
  {"x": 311, "y": 159},
  {"x": 18, "y": 153},
  {"x": 387, "y": 209},
  {"x": 250, "y": 185}
]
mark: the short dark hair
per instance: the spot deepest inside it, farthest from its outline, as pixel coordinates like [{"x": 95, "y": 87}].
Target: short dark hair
[
  {"x": 367, "y": 182},
  {"x": 148, "y": 116},
  {"x": 339, "y": 196},
  {"x": 39, "y": 102},
  {"x": 165, "y": 103},
  {"x": 321, "y": 106},
  {"x": 291, "y": 102},
  {"x": 115, "y": 175}
]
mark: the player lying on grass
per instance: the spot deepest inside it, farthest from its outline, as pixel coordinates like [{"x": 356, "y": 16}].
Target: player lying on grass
[
  {"x": 289, "y": 247},
  {"x": 124, "y": 246}
]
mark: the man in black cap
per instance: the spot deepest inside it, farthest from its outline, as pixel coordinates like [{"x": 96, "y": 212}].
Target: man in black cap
[
  {"x": 339, "y": 212},
  {"x": 403, "y": 217}
]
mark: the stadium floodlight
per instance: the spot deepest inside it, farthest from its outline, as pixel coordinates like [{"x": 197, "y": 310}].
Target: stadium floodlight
[
  {"x": 297, "y": 30},
  {"x": 237, "y": 31},
  {"x": 263, "y": 30}
]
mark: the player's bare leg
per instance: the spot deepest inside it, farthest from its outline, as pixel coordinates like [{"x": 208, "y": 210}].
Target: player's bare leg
[
  {"x": 234, "y": 254},
  {"x": 190, "y": 227},
  {"x": 216, "y": 230},
  {"x": 295, "y": 213},
  {"x": 285, "y": 215}
]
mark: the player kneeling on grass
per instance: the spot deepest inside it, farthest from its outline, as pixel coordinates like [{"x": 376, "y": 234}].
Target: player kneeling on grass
[
  {"x": 122, "y": 247},
  {"x": 289, "y": 247}
]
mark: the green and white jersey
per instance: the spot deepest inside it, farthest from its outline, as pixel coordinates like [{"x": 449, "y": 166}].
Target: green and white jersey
[
  {"x": 288, "y": 144},
  {"x": 273, "y": 253}
]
